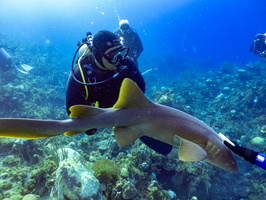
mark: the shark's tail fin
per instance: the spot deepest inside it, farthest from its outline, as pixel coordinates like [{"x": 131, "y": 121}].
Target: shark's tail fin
[{"x": 29, "y": 128}]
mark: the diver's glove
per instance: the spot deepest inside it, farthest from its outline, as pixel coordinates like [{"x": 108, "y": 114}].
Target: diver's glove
[
  {"x": 248, "y": 154},
  {"x": 91, "y": 131}
]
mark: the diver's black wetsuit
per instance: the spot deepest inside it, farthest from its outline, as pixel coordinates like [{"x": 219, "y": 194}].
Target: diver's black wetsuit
[
  {"x": 259, "y": 45},
  {"x": 105, "y": 93}
]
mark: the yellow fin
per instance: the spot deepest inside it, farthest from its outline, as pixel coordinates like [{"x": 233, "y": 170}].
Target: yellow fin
[
  {"x": 190, "y": 151},
  {"x": 70, "y": 133},
  {"x": 130, "y": 95},
  {"x": 96, "y": 104},
  {"x": 82, "y": 111},
  {"x": 125, "y": 136}
]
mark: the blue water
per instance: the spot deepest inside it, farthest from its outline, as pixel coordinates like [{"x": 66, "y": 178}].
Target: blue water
[
  {"x": 198, "y": 35},
  {"x": 202, "y": 30}
]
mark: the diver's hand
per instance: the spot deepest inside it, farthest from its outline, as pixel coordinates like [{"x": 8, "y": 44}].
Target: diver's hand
[
  {"x": 263, "y": 54},
  {"x": 91, "y": 131},
  {"x": 248, "y": 154}
]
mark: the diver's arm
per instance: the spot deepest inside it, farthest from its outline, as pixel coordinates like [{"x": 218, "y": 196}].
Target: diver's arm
[
  {"x": 248, "y": 154},
  {"x": 75, "y": 92},
  {"x": 117, "y": 32}
]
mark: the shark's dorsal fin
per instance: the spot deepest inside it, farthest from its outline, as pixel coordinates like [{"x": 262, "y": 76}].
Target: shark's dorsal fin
[
  {"x": 130, "y": 95},
  {"x": 82, "y": 111},
  {"x": 125, "y": 136},
  {"x": 190, "y": 151}
]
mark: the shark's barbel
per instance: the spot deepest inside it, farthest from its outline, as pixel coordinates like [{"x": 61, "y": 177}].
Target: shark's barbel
[{"x": 132, "y": 116}]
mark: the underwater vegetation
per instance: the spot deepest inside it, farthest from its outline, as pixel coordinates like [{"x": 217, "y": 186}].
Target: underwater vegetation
[
  {"x": 231, "y": 100},
  {"x": 105, "y": 170}
]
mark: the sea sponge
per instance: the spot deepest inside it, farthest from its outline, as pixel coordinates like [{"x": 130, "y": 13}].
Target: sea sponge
[
  {"x": 263, "y": 129},
  {"x": 30, "y": 197},
  {"x": 16, "y": 197},
  {"x": 257, "y": 141},
  {"x": 74, "y": 181}
]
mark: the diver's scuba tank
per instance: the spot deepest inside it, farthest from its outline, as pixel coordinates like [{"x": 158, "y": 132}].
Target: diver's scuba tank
[
  {"x": 5, "y": 60},
  {"x": 86, "y": 42},
  {"x": 83, "y": 49}
]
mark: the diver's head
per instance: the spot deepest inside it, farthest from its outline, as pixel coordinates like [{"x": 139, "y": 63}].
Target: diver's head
[
  {"x": 124, "y": 25},
  {"x": 108, "y": 50}
]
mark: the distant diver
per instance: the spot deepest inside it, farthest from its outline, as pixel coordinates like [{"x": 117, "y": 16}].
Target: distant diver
[
  {"x": 130, "y": 39},
  {"x": 6, "y": 62},
  {"x": 258, "y": 46},
  {"x": 249, "y": 155}
]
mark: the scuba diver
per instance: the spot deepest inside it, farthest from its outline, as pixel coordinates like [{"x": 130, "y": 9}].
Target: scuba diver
[
  {"x": 6, "y": 62},
  {"x": 131, "y": 39},
  {"x": 96, "y": 78},
  {"x": 249, "y": 155},
  {"x": 259, "y": 45}
]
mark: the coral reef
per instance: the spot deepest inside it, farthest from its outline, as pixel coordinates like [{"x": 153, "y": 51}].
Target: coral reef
[{"x": 231, "y": 100}]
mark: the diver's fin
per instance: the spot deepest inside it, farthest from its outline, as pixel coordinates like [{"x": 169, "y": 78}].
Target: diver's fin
[
  {"x": 125, "y": 136},
  {"x": 131, "y": 96},
  {"x": 157, "y": 145},
  {"x": 190, "y": 151},
  {"x": 26, "y": 67}
]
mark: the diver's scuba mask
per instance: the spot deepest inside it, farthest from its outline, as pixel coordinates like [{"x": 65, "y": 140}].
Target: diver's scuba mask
[
  {"x": 124, "y": 27},
  {"x": 116, "y": 55}
]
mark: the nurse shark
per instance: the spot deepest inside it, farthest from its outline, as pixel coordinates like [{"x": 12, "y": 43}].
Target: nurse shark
[{"x": 133, "y": 116}]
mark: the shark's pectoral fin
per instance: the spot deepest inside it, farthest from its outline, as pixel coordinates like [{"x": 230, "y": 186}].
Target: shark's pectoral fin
[
  {"x": 190, "y": 151},
  {"x": 125, "y": 136},
  {"x": 74, "y": 132}
]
